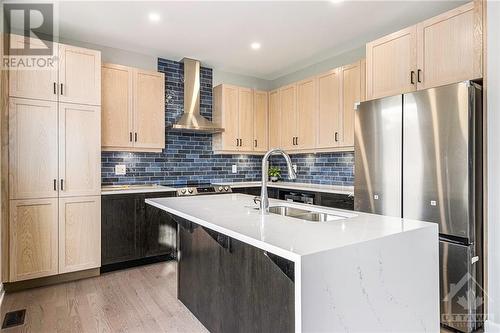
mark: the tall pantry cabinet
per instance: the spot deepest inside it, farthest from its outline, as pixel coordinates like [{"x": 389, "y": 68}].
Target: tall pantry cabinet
[{"x": 54, "y": 166}]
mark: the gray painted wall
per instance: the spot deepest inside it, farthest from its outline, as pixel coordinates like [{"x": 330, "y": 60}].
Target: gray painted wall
[{"x": 320, "y": 67}]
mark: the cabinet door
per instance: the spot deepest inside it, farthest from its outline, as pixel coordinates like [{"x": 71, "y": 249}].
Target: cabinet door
[
  {"x": 158, "y": 230},
  {"x": 449, "y": 47},
  {"x": 245, "y": 119},
  {"x": 116, "y": 117},
  {"x": 32, "y": 149},
  {"x": 306, "y": 114},
  {"x": 149, "y": 110},
  {"x": 329, "y": 109},
  {"x": 79, "y": 233},
  {"x": 33, "y": 83},
  {"x": 79, "y": 150},
  {"x": 260, "y": 121},
  {"x": 390, "y": 62},
  {"x": 274, "y": 119},
  {"x": 351, "y": 91},
  {"x": 79, "y": 75},
  {"x": 230, "y": 119},
  {"x": 288, "y": 116},
  {"x": 33, "y": 238},
  {"x": 119, "y": 228}
]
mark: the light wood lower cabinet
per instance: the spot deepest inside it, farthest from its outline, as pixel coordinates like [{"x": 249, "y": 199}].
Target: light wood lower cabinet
[
  {"x": 79, "y": 233},
  {"x": 33, "y": 238},
  {"x": 33, "y": 151}
]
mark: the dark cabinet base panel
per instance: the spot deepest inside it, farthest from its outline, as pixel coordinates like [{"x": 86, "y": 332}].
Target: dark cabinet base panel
[{"x": 137, "y": 262}]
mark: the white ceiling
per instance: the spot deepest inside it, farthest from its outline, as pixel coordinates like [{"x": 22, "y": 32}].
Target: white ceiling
[{"x": 293, "y": 34}]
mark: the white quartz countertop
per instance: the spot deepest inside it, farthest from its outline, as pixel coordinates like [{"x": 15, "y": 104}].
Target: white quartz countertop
[
  {"x": 337, "y": 189},
  {"x": 131, "y": 189},
  {"x": 234, "y": 215}
]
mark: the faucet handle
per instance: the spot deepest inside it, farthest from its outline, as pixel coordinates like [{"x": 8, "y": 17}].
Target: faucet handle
[{"x": 256, "y": 200}]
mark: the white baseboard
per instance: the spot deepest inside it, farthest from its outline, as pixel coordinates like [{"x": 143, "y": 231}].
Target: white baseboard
[{"x": 491, "y": 327}]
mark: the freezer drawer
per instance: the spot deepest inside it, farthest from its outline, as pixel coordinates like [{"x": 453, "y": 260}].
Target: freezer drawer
[
  {"x": 377, "y": 156},
  {"x": 461, "y": 287}
]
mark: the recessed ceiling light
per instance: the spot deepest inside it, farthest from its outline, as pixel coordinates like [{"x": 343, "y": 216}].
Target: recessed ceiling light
[
  {"x": 154, "y": 17},
  {"x": 336, "y": 1},
  {"x": 255, "y": 46}
]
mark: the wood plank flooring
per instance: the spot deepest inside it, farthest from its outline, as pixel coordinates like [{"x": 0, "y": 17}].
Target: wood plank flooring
[{"x": 140, "y": 299}]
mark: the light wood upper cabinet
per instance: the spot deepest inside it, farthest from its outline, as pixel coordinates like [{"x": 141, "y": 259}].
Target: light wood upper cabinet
[
  {"x": 351, "y": 95},
  {"x": 116, "y": 121},
  {"x": 329, "y": 109},
  {"x": 225, "y": 114},
  {"x": 36, "y": 84},
  {"x": 149, "y": 110},
  {"x": 441, "y": 50},
  {"x": 33, "y": 152},
  {"x": 306, "y": 114},
  {"x": 274, "y": 119},
  {"x": 391, "y": 64},
  {"x": 79, "y": 75},
  {"x": 79, "y": 233},
  {"x": 260, "y": 121},
  {"x": 245, "y": 119},
  {"x": 288, "y": 105},
  {"x": 133, "y": 109},
  {"x": 33, "y": 238},
  {"x": 79, "y": 150},
  {"x": 450, "y": 47},
  {"x": 233, "y": 110}
]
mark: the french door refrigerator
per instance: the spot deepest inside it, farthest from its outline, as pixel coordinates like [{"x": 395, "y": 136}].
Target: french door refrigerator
[{"x": 419, "y": 156}]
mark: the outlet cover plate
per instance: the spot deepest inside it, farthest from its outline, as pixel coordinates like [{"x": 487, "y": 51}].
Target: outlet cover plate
[
  {"x": 120, "y": 169},
  {"x": 234, "y": 168}
]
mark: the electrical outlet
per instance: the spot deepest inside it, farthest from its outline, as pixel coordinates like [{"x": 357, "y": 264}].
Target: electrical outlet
[
  {"x": 234, "y": 168},
  {"x": 120, "y": 169},
  {"x": 294, "y": 167}
]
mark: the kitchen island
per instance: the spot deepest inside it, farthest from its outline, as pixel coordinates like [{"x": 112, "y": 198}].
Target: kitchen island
[{"x": 242, "y": 271}]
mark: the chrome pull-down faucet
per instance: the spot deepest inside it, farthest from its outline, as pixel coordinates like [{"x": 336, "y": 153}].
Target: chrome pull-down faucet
[{"x": 264, "y": 199}]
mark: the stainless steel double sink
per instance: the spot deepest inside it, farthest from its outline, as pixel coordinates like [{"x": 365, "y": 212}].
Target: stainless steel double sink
[{"x": 304, "y": 214}]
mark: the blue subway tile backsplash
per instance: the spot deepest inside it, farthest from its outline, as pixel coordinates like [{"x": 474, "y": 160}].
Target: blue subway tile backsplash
[{"x": 188, "y": 157}]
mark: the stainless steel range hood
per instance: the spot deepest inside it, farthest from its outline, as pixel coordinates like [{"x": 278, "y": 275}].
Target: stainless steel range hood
[{"x": 191, "y": 120}]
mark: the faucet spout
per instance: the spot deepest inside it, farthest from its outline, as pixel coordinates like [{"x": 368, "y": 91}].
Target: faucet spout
[{"x": 264, "y": 198}]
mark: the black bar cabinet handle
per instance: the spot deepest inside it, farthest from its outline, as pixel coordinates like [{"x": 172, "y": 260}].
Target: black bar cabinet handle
[
  {"x": 135, "y": 136},
  {"x": 55, "y": 184},
  {"x": 336, "y": 136},
  {"x": 130, "y": 137},
  {"x": 55, "y": 88},
  {"x": 412, "y": 77},
  {"x": 61, "y": 89},
  {"x": 62, "y": 184},
  {"x": 418, "y": 76},
  {"x": 255, "y": 143}
]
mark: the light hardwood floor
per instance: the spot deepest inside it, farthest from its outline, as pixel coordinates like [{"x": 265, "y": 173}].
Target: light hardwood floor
[{"x": 140, "y": 299}]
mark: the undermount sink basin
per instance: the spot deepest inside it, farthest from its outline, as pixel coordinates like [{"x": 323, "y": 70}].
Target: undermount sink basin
[{"x": 304, "y": 214}]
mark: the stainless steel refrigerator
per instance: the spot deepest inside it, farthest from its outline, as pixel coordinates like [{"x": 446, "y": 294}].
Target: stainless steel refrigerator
[{"x": 419, "y": 156}]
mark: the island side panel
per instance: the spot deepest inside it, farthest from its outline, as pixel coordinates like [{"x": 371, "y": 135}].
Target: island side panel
[
  {"x": 388, "y": 284},
  {"x": 231, "y": 286}
]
